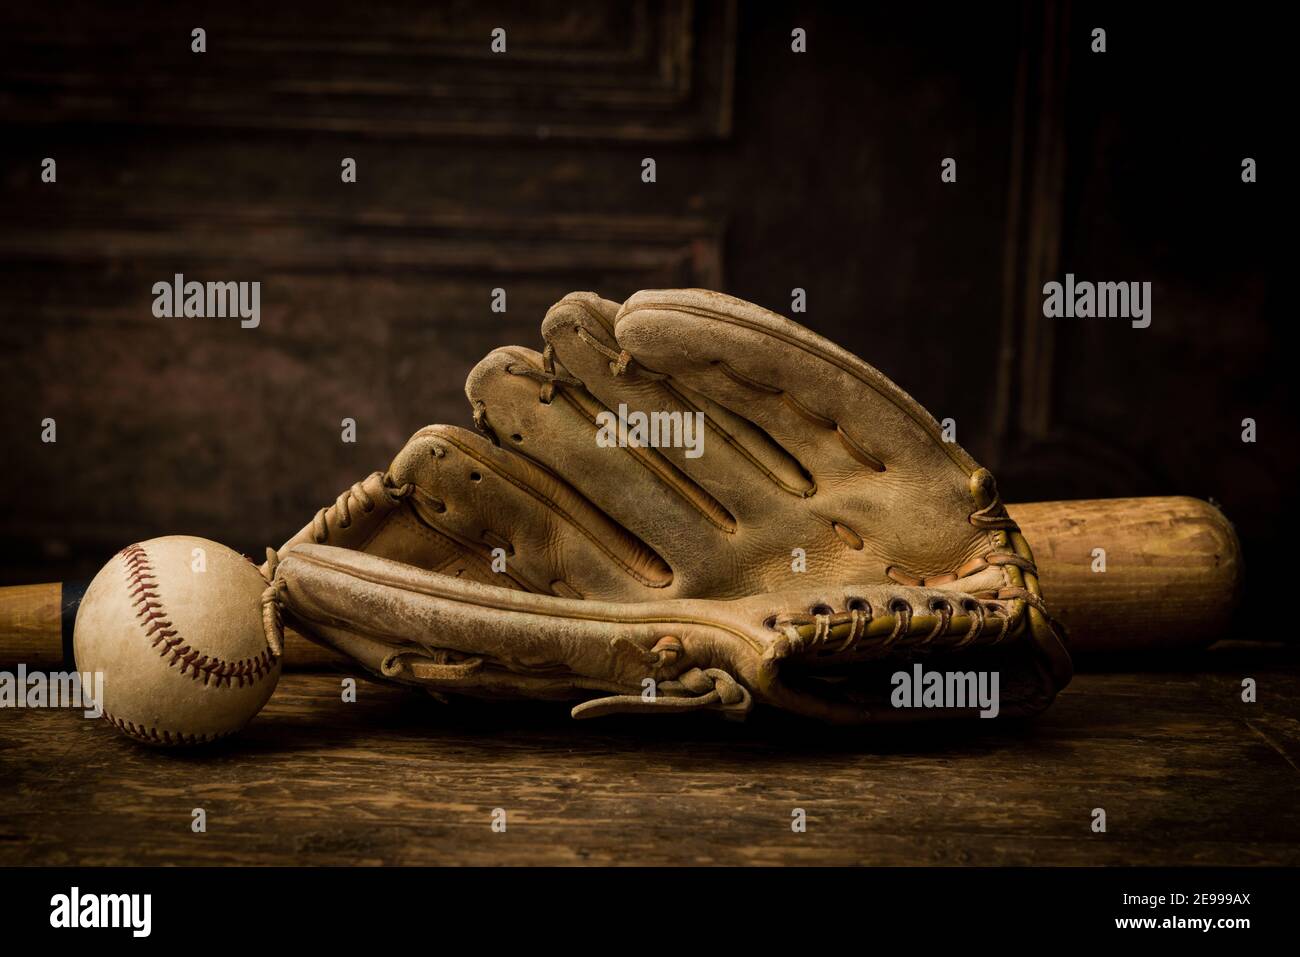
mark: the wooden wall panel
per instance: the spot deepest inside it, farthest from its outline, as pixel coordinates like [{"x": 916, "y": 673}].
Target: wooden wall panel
[
  {"x": 590, "y": 70},
  {"x": 200, "y": 426},
  {"x": 375, "y": 297}
]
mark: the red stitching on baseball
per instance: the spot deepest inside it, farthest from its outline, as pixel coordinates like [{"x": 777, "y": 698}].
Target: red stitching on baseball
[
  {"x": 154, "y": 736},
  {"x": 142, "y": 586}
]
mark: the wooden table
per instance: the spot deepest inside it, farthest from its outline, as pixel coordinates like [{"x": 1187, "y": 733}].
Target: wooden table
[{"x": 1186, "y": 773}]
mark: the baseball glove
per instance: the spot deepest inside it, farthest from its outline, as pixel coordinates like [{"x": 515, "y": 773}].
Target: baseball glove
[{"x": 683, "y": 502}]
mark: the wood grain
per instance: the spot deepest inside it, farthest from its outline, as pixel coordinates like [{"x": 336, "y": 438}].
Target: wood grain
[
  {"x": 32, "y": 623},
  {"x": 599, "y": 72},
  {"x": 1172, "y": 574},
  {"x": 1186, "y": 773}
]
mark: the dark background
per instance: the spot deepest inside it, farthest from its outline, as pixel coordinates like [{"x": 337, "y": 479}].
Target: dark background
[{"x": 522, "y": 171}]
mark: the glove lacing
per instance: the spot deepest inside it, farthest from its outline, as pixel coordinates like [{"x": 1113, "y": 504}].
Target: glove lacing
[
  {"x": 845, "y": 633},
  {"x": 340, "y": 514},
  {"x": 272, "y": 611},
  {"x": 693, "y": 690},
  {"x": 619, "y": 363}
]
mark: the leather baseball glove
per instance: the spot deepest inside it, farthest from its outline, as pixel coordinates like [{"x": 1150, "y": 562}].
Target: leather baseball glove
[{"x": 683, "y": 502}]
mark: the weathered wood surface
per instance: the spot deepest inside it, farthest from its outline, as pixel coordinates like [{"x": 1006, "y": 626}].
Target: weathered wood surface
[{"x": 1186, "y": 772}]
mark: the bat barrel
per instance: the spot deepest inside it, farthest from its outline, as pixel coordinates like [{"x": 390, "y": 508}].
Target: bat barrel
[{"x": 1135, "y": 574}]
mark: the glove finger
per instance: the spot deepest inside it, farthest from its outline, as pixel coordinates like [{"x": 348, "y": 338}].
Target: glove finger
[
  {"x": 733, "y": 461},
  {"x": 637, "y": 487},
  {"x": 876, "y": 456},
  {"x": 550, "y": 537},
  {"x": 836, "y": 414}
]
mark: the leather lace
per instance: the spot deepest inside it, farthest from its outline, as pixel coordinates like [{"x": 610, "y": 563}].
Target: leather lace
[
  {"x": 696, "y": 689},
  {"x": 546, "y": 375},
  {"x": 693, "y": 690},
  {"x": 845, "y": 633},
  {"x": 620, "y": 362},
  {"x": 356, "y": 498}
]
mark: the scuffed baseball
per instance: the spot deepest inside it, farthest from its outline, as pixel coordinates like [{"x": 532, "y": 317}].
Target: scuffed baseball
[{"x": 175, "y": 626}]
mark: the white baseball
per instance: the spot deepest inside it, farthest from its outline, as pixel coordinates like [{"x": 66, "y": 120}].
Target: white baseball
[{"x": 175, "y": 626}]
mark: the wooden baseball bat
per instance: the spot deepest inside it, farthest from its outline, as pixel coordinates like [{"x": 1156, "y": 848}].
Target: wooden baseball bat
[
  {"x": 1135, "y": 574},
  {"x": 1122, "y": 574}
]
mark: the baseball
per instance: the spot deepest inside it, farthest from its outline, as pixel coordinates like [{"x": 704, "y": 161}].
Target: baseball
[{"x": 175, "y": 626}]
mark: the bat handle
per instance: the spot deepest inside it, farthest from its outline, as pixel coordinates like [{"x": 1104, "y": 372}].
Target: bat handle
[
  {"x": 37, "y": 622},
  {"x": 36, "y": 626}
]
